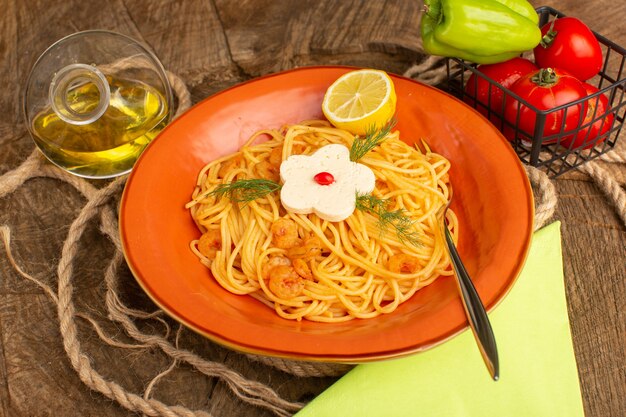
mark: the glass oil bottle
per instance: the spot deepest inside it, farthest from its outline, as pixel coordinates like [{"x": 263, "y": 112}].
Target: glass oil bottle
[{"x": 94, "y": 101}]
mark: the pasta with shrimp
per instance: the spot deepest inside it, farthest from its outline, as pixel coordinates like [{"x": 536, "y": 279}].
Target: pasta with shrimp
[{"x": 305, "y": 267}]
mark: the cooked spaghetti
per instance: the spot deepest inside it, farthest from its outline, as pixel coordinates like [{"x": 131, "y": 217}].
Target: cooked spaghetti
[{"x": 306, "y": 267}]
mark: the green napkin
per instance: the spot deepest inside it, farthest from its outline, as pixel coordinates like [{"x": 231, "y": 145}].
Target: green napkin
[{"x": 538, "y": 375}]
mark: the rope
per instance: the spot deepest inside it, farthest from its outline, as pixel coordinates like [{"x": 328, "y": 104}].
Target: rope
[
  {"x": 66, "y": 311},
  {"x": 12, "y": 180},
  {"x": 304, "y": 369},
  {"x": 615, "y": 156},
  {"x": 431, "y": 71},
  {"x": 611, "y": 188},
  {"x": 251, "y": 392},
  {"x": 544, "y": 193}
]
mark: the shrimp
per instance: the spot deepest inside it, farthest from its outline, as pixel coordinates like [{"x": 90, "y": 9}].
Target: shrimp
[
  {"x": 285, "y": 234},
  {"x": 302, "y": 269},
  {"x": 403, "y": 263},
  {"x": 228, "y": 166},
  {"x": 298, "y": 148},
  {"x": 276, "y": 156},
  {"x": 285, "y": 282},
  {"x": 273, "y": 262},
  {"x": 210, "y": 243},
  {"x": 267, "y": 171},
  {"x": 311, "y": 248}
]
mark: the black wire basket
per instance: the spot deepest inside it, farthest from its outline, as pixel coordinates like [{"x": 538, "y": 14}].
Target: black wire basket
[{"x": 557, "y": 153}]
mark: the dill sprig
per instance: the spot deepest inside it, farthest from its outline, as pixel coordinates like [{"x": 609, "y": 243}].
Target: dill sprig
[
  {"x": 245, "y": 191},
  {"x": 373, "y": 137},
  {"x": 397, "y": 219}
]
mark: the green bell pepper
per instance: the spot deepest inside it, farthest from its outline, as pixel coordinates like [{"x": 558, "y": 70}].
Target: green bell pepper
[{"x": 481, "y": 31}]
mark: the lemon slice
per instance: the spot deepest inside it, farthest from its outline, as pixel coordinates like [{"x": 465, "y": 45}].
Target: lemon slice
[{"x": 360, "y": 100}]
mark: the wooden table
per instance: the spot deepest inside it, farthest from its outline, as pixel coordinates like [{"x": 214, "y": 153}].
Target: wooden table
[{"x": 213, "y": 45}]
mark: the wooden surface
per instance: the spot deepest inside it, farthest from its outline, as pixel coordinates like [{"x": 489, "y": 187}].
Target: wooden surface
[{"x": 213, "y": 45}]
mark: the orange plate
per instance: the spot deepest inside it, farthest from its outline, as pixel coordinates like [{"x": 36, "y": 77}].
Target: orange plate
[{"x": 492, "y": 198}]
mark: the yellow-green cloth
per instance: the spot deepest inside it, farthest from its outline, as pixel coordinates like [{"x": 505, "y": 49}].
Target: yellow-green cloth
[{"x": 538, "y": 375}]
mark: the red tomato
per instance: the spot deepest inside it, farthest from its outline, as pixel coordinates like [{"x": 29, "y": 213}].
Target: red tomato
[
  {"x": 596, "y": 108},
  {"x": 546, "y": 89},
  {"x": 503, "y": 73},
  {"x": 571, "y": 46}
]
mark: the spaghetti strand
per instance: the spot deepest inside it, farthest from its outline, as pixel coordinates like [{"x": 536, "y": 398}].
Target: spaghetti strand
[{"x": 308, "y": 268}]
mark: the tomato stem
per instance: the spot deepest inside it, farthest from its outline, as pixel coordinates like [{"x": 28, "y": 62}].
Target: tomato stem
[
  {"x": 548, "y": 38},
  {"x": 545, "y": 77}
]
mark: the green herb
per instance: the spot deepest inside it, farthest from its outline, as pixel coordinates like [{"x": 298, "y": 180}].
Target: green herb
[
  {"x": 245, "y": 191},
  {"x": 397, "y": 219},
  {"x": 373, "y": 138}
]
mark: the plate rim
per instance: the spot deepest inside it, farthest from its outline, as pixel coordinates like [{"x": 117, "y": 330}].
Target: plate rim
[{"x": 340, "y": 358}]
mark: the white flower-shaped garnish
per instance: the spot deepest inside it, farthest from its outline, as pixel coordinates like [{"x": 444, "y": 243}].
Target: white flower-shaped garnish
[{"x": 325, "y": 183}]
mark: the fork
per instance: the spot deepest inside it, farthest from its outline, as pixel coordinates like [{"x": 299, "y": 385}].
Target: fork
[{"x": 472, "y": 304}]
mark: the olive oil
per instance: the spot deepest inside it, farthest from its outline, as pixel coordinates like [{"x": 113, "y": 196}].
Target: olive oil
[{"x": 110, "y": 145}]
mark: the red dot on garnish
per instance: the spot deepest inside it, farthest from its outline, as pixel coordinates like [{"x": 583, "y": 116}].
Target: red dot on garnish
[{"x": 324, "y": 178}]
